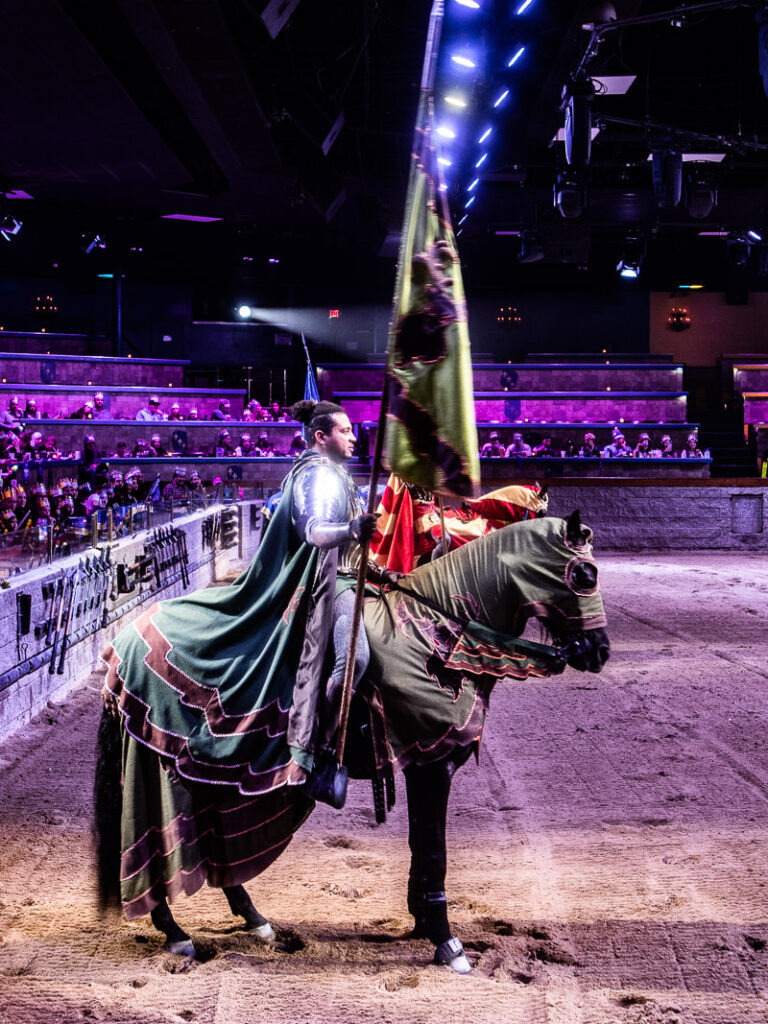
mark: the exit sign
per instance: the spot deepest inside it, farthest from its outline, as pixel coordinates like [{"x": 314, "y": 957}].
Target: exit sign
[{"x": 333, "y": 314}]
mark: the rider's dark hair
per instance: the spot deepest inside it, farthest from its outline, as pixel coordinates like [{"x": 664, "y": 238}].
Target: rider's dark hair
[{"x": 315, "y": 416}]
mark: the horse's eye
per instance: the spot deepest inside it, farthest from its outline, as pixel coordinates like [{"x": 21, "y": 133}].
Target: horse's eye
[{"x": 581, "y": 577}]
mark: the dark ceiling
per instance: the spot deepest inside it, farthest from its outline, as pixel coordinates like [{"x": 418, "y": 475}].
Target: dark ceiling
[{"x": 117, "y": 112}]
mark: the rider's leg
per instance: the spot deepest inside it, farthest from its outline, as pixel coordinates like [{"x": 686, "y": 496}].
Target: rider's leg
[
  {"x": 176, "y": 939},
  {"x": 343, "y": 610},
  {"x": 241, "y": 906}
]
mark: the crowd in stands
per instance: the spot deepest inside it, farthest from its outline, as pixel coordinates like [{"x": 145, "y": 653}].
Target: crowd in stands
[
  {"x": 94, "y": 409},
  {"x": 68, "y": 504},
  {"x": 618, "y": 448}
]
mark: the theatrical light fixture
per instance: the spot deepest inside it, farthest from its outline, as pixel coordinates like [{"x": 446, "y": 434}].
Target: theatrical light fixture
[
  {"x": 90, "y": 242},
  {"x": 481, "y": 161},
  {"x": 9, "y": 227},
  {"x": 469, "y": 3},
  {"x": 570, "y": 195},
  {"x": 486, "y": 134},
  {"x": 754, "y": 236},
  {"x": 523, "y": 6},
  {"x": 632, "y": 258},
  {"x": 738, "y": 249},
  {"x": 530, "y": 250},
  {"x": 444, "y": 161},
  {"x": 667, "y": 171},
  {"x": 446, "y": 132},
  {"x": 244, "y": 312},
  {"x": 473, "y": 185},
  {"x": 455, "y": 101},
  {"x": 700, "y": 195},
  {"x": 469, "y": 202},
  {"x": 576, "y": 102},
  {"x": 500, "y": 98},
  {"x": 463, "y": 219},
  {"x": 462, "y": 61},
  {"x": 516, "y": 57}
]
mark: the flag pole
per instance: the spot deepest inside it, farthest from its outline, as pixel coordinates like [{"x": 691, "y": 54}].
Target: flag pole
[{"x": 427, "y": 85}]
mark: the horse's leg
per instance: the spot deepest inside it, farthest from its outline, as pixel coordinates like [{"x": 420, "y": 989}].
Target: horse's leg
[
  {"x": 176, "y": 939},
  {"x": 428, "y": 788},
  {"x": 241, "y": 906}
]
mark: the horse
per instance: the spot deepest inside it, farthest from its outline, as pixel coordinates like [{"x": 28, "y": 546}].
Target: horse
[{"x": 169, "y": 818}]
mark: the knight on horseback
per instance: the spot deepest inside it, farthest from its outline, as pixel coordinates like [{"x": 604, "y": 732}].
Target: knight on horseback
[{"x": 326, "y": 514}]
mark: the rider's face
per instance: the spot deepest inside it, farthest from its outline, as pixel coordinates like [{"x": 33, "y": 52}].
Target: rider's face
[{"x": 339, "y": 444}]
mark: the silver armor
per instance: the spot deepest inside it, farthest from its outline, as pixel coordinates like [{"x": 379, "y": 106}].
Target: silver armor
[{"x": 324, "y": 505}]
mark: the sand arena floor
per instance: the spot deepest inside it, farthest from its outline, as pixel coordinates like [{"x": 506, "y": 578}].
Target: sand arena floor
[{"x": 607, "y": 857}]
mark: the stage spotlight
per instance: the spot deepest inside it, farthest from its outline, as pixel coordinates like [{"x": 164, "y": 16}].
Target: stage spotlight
[
  {"x": 700, "y": 196},
  {"x": 244, "y": 311},
  {"x": 577, "y": 103},
  {"x": 667, "y": 170},
  {"x": 754, "y": 236},
  {"x": 632, "y": 258},
  {"x": 738, "y": 250},
  {"x": 89, "y": 242},
  {"x": 530, "y": 250},
  {"x": 9, "y": 227},
  {"x": 570, "y": 195}
]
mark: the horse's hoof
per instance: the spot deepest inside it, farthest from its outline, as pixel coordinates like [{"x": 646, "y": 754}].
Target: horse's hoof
[
  {"x": 451, "y": 954},
  {"x": 264, "y": 933},
  {"x": 183, "y": 947}
]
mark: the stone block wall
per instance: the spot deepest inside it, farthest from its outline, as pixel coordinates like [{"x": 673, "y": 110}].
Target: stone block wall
[
  {"x": 120, "y": 402},
  {"x": 99, "y": 371},
  {"x": 756, "y": 407},
  {"x": 522, "y": 377},
  {"x": 699, "y": 516},
  {"x": 588, "y": 407},
  {"x": 28, "y": 656},
  {"x": 750, "y": 378}
]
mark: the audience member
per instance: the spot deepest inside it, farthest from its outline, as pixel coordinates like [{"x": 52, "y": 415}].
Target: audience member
[
  {"x": 569, "y": 448},
  {"x": 197, "y": 495},
  {"x": 545, "y": 449},
  {"x": 518, "y": 449},
  {"x": 589, "y": 449},
  {"x": 121, "y": 451},
  {"x": 223, "y": 411},
  {"x": 33, "y": 450},
  {"x": 276, "y": 413},
  {"x": 254, "y": 412},
  {"x": 85, "y": 412},
  {"x": 666, "y": 451},
  {"x": 193, "y": 414},
  {"x": 151, "y": 411},
  {"x": 691, "y": 450},
  {"x": 31, "y": 411},
  {"x": 493, "y": 448},
  {"x": 99, "y": 412},
  {"x": 618, "y": 448},
  {"x": 246, "y": 446},
  {"x": 643, "y": 447},
  {"x": 160, "y": 449},
  {"x": 174, "y": 413},
  {"x": 142, "y": 449},
  {"x": 51, "y": 451},
  {"x": 134, "y": 485},
  {"x": 224, "y": 447},
  {"x": 14, "y": 408},
  {"x": 298, "y": 444},
  {"x": 265, "y": 449},
  {"x": 177, "y": 489}
]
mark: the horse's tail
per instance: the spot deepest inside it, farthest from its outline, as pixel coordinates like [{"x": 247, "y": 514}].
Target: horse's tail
[{"x": 108, "y": 807}]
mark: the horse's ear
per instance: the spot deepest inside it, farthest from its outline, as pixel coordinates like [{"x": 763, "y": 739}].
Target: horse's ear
[{"x": 573, "y": 531}]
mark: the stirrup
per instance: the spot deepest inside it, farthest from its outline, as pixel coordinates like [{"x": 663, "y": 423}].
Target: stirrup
[
  {"x": 451, "y": 954},
  {"x": 328, "y": 783}
]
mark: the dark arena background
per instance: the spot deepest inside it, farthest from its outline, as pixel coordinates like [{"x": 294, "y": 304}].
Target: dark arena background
[{"x": 202, "y": 201}]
